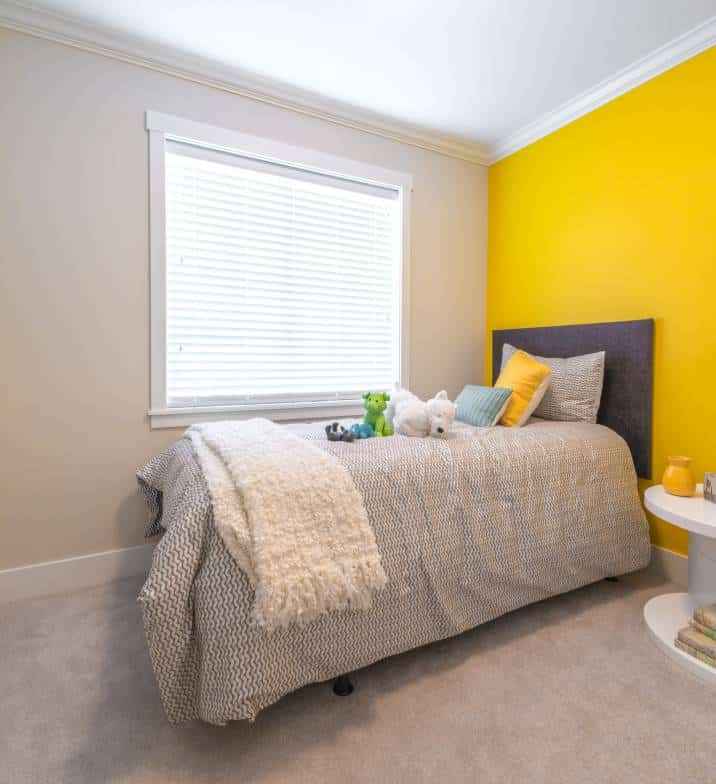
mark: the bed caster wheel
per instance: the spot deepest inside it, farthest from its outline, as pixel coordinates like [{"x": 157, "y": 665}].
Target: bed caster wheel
[{"x": 342, "y": 686}]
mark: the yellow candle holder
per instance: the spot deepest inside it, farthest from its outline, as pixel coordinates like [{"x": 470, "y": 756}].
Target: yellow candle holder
[{"x": 678, "y": 478}]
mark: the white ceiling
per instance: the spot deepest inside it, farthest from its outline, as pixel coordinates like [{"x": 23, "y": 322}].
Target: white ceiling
[{"x": 478, "y": 70}]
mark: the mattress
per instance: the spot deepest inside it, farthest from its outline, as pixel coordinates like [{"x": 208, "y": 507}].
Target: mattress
[{"x": 469, "y": 528}]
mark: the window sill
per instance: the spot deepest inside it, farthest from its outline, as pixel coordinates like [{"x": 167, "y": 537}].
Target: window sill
[{"x": 278, "y": 412}]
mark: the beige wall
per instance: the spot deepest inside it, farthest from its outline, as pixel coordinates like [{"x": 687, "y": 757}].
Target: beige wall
[{"x": 75, "y": 291}]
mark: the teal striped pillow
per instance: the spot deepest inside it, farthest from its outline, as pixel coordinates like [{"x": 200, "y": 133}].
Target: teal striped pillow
[{"x": 482, "y": 406}]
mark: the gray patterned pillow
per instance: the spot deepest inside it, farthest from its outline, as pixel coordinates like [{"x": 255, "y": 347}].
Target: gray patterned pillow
[{"x": 575, "y": 387}]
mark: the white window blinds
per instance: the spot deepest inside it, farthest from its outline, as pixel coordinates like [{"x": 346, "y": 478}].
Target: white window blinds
[{"x": 282, "y": 284}]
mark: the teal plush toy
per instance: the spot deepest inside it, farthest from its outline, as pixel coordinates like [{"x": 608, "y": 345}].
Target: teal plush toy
[
  {"x": 361, "y": 430},
  {"x": 375, "y": 403}
]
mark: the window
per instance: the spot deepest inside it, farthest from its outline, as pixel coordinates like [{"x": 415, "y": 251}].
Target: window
[{"x": 278, "y": 277}]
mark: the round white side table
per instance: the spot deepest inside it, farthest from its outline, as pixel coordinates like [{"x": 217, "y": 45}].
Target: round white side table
[{"x": 666, "y": 614}]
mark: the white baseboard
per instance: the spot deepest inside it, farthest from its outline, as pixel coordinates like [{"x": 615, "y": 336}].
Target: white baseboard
[
  {"x": 74, "y": 574},
  {"x": 670, "y": 565}
]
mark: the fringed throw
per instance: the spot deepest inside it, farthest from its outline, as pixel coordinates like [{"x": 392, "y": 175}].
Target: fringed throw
[{"x": 291, "y": 517}]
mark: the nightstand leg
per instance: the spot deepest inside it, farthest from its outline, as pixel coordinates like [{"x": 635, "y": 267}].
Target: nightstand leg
[{"x": 702, "y": 569}]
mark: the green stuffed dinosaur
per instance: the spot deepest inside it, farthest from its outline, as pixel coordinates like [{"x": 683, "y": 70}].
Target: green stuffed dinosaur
[{"x": 375, "y": 403}]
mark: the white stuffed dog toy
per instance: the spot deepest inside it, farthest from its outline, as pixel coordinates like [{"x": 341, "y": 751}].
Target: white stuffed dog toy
[
  {"x": 413, "y": 417},
  {"x": 441, "y": 414}
]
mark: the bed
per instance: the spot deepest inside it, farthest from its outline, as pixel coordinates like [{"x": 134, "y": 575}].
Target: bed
[{"x": 469, "y": 528}]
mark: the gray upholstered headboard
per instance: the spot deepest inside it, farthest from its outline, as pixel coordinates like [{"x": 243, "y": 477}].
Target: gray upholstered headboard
[{"x": 626, "y": 405}]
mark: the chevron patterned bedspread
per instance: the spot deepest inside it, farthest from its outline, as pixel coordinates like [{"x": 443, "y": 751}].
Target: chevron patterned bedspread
[{"x": 469, "y": 528}]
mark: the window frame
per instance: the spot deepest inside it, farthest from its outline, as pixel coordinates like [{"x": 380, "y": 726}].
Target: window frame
[{"x": 164, "y": 127}]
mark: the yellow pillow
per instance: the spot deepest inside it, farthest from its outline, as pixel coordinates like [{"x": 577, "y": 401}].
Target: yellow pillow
[{"x": 528, "y": 379}]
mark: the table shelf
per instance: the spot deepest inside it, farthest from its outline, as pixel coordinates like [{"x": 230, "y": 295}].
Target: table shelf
[{"x": 665, "y": 615}]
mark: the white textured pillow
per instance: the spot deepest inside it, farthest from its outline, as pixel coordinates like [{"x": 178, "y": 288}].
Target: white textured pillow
[{"x": 575, "y": 386}]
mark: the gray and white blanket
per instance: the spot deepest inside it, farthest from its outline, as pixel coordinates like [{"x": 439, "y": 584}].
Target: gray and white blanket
[{"x": 468, "y": 528}]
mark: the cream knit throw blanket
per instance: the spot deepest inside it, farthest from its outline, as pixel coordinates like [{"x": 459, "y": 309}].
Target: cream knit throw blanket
[{"x": 291, "y": 517}]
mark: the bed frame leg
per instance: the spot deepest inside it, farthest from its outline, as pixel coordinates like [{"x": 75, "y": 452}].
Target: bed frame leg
[
  {"x": 612, "y": 579},
  {"x": 342, "y": 686}
]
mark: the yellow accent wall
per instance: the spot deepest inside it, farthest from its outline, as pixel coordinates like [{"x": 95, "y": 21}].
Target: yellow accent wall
[{"x": 614, "y": 217}]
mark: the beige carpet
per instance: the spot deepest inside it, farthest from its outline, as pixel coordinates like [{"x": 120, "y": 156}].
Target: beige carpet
[{"x": 569, "y": 690}]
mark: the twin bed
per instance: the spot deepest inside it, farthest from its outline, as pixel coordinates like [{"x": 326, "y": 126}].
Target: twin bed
[{"x": 468, "y": 527}]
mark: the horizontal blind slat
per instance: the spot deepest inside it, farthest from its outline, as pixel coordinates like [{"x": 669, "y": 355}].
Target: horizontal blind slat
[
  {"x": 244, "y": 205},
  {"x": 247, "y": 274},
  {"x": 229, "y": 178},
  {"x": 266, "y": 255},
  {"x": 279, "y": 171},
  {"x": 240, "y": 234}
]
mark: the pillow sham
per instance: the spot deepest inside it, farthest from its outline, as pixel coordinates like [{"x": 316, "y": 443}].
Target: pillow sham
[
  {"x": 528, "y": 379},
  {"x": 575, "y": 388},
  {"x": 482, "y": 406}
]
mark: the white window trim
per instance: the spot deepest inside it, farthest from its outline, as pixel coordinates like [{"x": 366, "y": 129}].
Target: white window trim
[{"x": 163, "y": 127}]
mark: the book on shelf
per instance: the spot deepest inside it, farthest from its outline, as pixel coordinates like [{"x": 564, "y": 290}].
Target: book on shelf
[
  {"x": 700, "y": 642},
  {"x": 703, "y": 629},
  {"x": 706, "y": 616},
  {"x": 695, "y": 653}
]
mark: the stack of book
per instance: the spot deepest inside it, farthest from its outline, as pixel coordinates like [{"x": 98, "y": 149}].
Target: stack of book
[{"x": 698, "y": 639}]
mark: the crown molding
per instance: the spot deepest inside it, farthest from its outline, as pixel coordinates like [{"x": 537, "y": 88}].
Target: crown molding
[
  {"x": 23, "y": 18},
  {"x": 26, "y": 19},
  {"x": 697, "y": 40}
]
